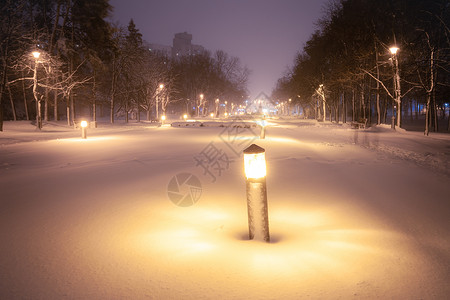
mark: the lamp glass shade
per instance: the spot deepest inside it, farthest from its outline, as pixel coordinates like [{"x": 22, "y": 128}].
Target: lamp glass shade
[
  {"x": 36, "y": 54},
  {"x": 255, "y": 165},
  {"x": 393, "y": 50},
  {"x": 83, "y": 124}
]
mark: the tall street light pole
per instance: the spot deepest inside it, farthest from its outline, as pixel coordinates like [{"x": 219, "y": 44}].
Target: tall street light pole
[
  {"x": 289, "y": 107},
  {"x": 36, "y": 56},
  {"x": 200, "y": 104},
  {"x": 160, "y": 88},
  {"x": 397, "y": 88},
  {"x": 217, "y": 107}
]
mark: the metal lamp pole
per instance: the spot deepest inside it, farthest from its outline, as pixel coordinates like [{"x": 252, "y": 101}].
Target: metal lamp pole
[
  {"x": 36, "y": 55},
  {"x": 161, "y": 86},
  {"x": 83, "y": 125}
]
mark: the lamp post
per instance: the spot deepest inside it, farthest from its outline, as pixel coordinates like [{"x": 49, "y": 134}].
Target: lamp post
[
  {"x": 217, "y": 107},
  {"x": 289, "y": 106},
  {"x": 226, "y": 108},
  {"x": 160, "y": 88},
  {"x": 83, "y": 125},
  {"x": 200, "y": 103},
  {"x": 397, "y": 89},
  {"x": 321, "y": 92},
  {"x": 163, "y": 119},
  {"x": 36, "y": 56},
  {"x": 255, "y": 172}
]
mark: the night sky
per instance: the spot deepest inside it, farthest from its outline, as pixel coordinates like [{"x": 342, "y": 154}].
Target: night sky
[{"x": 264, "y": 34}]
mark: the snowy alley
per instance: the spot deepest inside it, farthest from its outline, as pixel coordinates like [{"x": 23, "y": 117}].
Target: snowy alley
[{"x": 353, "y": 213}]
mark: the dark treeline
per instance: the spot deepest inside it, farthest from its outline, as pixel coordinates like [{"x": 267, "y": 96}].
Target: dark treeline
[
  {"x": 60, "y": 59},
  {"x": 346, "y": 69}
]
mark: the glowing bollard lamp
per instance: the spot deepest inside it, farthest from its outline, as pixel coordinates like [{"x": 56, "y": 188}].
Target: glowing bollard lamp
[
  {"x": 255, "y": 171},
  {"x": 83, "y": 125}
]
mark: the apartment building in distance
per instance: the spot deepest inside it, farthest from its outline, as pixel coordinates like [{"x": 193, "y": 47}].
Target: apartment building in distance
[{"x": 181, "y": 46}]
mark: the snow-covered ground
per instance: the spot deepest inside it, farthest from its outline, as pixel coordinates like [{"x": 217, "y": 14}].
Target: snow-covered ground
[{"x": 353, "y": 213}]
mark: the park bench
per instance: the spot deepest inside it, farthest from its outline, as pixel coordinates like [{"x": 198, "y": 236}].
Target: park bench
[{"x": 360, "y": 124}]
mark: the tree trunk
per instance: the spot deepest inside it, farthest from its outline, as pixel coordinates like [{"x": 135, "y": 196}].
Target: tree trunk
[
  {"x": 378, "y": 88},
  {"x": 72, "y": 108},
  {"x": 344, "y": 109},
  {"x": 68, "y": 111},
  {"x": 55, "y": 106},
  {"x": 112, "y": 109},
  {"x": 353, "y": 105},
  {"x": 138, "y": 116},
  {"x": 113, "y": 89},
  {"x": 427, "y": 115},
  {"x": 2, "y": 86},
  {"x": 94, "y": 102},
  {"x": 11, "y": 100},
  {"x": 46, "y": 101},
  {"x": 436, "y": 128},
  {"x": 363, "y": 103},
  {"x": 324, "y": 108},
  {"x": 25, "y": 104},
  {"x": 1, "y": 115}
]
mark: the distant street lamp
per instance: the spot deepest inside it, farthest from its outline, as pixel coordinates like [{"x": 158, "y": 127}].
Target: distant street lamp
[
  {"x": 397, "y": 89},
  {"x": 226, "y": 108},
  {"x": 83, "y": 125},
  {"x": 163, "y": 119},
  {"x": 185, "y": 116},
  {"x": 36, "y": 56},
  {"x": 255, "y": 172}
]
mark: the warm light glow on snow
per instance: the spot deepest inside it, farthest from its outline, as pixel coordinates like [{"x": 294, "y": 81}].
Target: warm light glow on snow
[
  {"x": 348, "y": 217},
  {"x": 91, "y": 139},
  {"x": 255, "y": 165}
]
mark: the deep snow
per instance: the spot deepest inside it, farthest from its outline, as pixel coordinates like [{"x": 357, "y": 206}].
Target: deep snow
[{"x": 352, "y": 213}]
